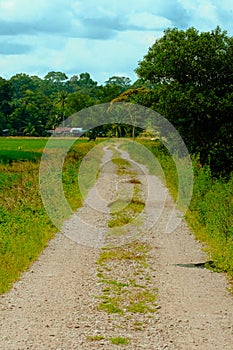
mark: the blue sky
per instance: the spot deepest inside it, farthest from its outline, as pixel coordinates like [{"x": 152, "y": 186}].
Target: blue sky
[{"x": 102, "y": 37}]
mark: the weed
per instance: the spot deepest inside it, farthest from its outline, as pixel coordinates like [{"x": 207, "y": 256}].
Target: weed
[
  {"x": 135, "y": 251},
  {"x": 142, "y": 301},
  {"x": 129, "y": 212},
  {"x": 95, "y": 337},
  {"x": 137, "y": 328},
  {"x": 111, "y": 305},
  {"x": 119, "y": 341},
  {"x": 123, "y": 166}
]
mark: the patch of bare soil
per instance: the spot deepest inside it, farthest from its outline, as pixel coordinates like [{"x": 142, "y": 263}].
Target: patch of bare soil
[{"x": 55, "y": 304}]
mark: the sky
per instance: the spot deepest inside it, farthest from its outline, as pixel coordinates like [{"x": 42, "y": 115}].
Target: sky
[{"x": 102, "y": 37}]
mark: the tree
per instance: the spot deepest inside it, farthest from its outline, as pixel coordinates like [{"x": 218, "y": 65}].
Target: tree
[
  {"x": 195, "y": 76},
  {"x": 82, "y": 82},
  {"x": 31, "y": 114},
  {"x": 107, "y": 93},
  {"x": 123, "y": 82},
  {"x": 77, "y": 101},
  {"x": 143, "y": 96},
  {"x": 54, "y": 82},
  {"x": 56, "y": 77},
  {"x": 60, "y": 104},
  {"x": 86, "y": 81},
  {"x": 6, "y": 93},
  {"x": 22, "y": 82}
]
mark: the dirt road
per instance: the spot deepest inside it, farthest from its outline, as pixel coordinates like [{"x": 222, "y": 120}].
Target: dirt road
[{"x": 55, "y": 304}]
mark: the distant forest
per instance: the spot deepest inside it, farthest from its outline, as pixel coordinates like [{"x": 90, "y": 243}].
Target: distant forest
[
  {"x": 30, "y": 106},
  {"x": 187, "y": 76}
]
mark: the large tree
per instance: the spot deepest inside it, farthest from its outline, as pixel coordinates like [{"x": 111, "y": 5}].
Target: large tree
[
  {"x": 82, "y": 82},
  {"x": 124, "y": 82},
  {"x": 31, "y": 114},
  {"x": 195, "y": 75},
  {"x": 77, "y": 101},
  {"x": 22, "y": 82}
]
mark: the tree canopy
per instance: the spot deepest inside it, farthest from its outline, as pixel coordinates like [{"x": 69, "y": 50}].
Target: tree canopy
[{"x": 193, "y": 73}]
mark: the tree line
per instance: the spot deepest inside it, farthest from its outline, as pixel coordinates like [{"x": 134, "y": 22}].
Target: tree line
[
  {"x": 30, "y": 106},
  {"x": 187, "y": 76}
]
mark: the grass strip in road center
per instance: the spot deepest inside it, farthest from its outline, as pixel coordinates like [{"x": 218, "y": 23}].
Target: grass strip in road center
[{"x": 124, "y": 270}]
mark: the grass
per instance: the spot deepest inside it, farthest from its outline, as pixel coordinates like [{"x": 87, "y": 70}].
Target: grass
[
  {"x": 89, "y": 170},
  {"x": 142, "y": 152},
  {"x": 142, "y": 301},
  {"x": 138, "y": 325},
  {"x": 123, "y": 166},
  {"x": 123, "y": 212},
  {"x": 8, "y": 156},
  {"x": 95, "y": 337},
  {"x": 27, "y": 148},
  {"x": 210, "y": 213},
  {"x": 110, "y": 305},
  {"x": 22, "y": 144},
  {"x": 124, "y": 270},
  {"x": 25, "y": 227},
  {"x": 134, "y": 251},
  {"x": 159, "y": 162},
  {"x": 119, "y": 341},
  {"x": 211, "y": 218},
  {"x": 20, "y": 149},
  {"x": 24, "y": 224},
  {"x": 113, "y": 340}
]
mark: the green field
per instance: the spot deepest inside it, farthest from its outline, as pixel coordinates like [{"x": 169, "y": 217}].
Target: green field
[
  {"x": 22, "y": 149},
  {"x": 27, "y": 144},
  {"x": 16, "y": 149}
]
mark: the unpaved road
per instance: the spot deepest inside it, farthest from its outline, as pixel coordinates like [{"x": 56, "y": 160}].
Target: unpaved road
[{"x": 54, "y": 305}]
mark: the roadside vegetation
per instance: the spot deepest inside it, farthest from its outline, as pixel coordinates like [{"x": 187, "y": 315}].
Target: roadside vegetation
[
  {"x": 24, "y": 224},
  {"x": 210, "y": 214}
]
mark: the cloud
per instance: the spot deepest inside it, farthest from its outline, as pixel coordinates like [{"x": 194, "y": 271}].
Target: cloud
[
  {"x": 96, "y": 28},
  {"x": 171, "y": 10},
  {"x": 24, "y": 17},
  {"x": 102, "y": 59},
  {"x": 98, "y": 20},
  {"x": 205, "y": 15},
  {"x": 146, "y": 21},
  {"x": 104, "y": 21},
  {"x": 102, "y": 37},
  {"x": 7, "y": 48},
  {"x": 18, "y": 28}
]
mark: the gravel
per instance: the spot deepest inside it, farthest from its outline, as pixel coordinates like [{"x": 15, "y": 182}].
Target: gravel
[{"x": 55, "y": 303}]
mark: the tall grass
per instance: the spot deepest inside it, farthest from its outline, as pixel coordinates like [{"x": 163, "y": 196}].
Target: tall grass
[
  {"x": 25, "y": 227},
  {"x": 210, "y": 214},
  {"x": 211, "y": 217}
]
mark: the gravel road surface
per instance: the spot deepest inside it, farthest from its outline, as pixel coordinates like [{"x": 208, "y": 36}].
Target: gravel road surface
[{"x": 55, "y": 305}]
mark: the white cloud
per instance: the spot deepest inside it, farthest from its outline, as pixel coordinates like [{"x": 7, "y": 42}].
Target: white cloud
[
  {"x": 101, "y": 37},
  {"x": 205, "y": 15},
  {"x": 26, "y": 10},
  {"x": 148, "y": 21}
]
